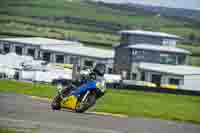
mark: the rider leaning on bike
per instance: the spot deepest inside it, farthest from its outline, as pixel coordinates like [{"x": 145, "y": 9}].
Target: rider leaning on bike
[
  {"x": 82, "y": 93},
  {"x": 97, "y": 73}
]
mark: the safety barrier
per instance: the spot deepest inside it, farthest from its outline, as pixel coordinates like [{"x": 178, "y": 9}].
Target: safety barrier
[{"x": 161, "y": 89}]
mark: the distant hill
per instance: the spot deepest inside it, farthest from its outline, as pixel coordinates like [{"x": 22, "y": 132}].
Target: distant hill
[
  {"x": 164, "y": 11},
  {"x": 153, "y": 10},
  {"x": 88, "y": 21},
  {"x": 174, "y": 12}
]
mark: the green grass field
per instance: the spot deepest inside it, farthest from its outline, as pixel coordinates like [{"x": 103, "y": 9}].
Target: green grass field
[
  {"x": 80, "y": 9},
  {"x": 132, "y": 103},
  {"x": 3, "y": 130},
  {"x": 41, "y": 90},
  {"x": 22, "y": 26},
  {"x": 16, "y": 19},
  {"x": 94, "y": 20},
  {"x": 195, "y": 50},
  {"x": 195, "y": 61}
]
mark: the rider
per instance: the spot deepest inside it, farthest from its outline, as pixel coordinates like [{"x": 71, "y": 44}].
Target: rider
[
  {"x": 99, "y": 70},
  {"x": 97, "y": 73}
]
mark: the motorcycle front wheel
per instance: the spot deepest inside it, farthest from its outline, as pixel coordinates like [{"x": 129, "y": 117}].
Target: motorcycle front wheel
[{"x": 83, "y": 106}]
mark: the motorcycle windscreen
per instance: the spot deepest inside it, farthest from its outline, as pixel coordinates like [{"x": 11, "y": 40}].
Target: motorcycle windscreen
[{"x": 70, "y": 102}]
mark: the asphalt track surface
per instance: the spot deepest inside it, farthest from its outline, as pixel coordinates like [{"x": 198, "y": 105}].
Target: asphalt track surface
[{"x": 23, "y": 112}]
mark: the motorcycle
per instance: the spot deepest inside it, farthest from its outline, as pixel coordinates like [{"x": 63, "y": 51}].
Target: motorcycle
[{"x": 81, "y": 95}]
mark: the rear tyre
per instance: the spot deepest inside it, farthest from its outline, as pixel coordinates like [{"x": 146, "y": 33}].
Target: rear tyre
[{"x": 55, "y": 105}]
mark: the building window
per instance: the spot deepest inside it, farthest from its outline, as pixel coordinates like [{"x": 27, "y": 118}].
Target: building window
[
  {"x": 39, "y": 55},
  {"x": 142, "y": 76},
  {"x": 156, "y": 78},
  {"x": 6, "y": 48},
  {"x": 169, "y": 42},
  {"x": 182, "y": 59},
  {"x": 31, "y": 52},
  {"x": 138, "y": 54},
  {"x": 73, "y": 60},
  {"x": 47, "y": 56},
  {"x": 172, "y": 59},
  {"x": 18, "y": 50},
  {"x": 125, "y": 38},
  {"x": 110, "y": 70},
  {"x": 134, "y": 52},
  {"x": 134, "y": 76},
  {"x": 124, "y": 74},
  {"x": 59, "y": 58},
  {"x": 88, "y": 63},
  {"x": 168, "y": 59},
  {"x": 174, "y": 81},
  {"x": 163, "y": 58}
]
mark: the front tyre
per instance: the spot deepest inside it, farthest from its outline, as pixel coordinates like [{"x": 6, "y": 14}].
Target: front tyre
[
  {"x": 83, "y": 106},
  {"x": 55, "y": 105}
]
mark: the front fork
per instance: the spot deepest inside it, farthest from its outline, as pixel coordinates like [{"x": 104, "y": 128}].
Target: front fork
[{"x": 85, "y": 96}]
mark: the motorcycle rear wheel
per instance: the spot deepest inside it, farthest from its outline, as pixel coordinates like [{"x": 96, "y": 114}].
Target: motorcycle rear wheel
[{"x": 55, "y": 105}]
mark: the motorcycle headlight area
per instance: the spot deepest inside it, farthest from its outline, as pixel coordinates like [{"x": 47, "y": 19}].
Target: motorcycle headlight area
[{"x": 100, "y": 86}]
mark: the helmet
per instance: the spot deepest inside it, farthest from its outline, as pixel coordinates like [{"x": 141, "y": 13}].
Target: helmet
[{"x": 100, "y": 69}]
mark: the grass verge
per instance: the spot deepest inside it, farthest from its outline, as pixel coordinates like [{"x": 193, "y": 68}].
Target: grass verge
[
  {"x": 132, "y": 103},
  {"x": 40, "y": 90},
  {"x": 3, "y": 130}
]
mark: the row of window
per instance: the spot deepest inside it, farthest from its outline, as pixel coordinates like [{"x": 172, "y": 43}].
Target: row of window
[
  {"x": 19, "y": 50},
  {"x": 46, "y": 55},
  {"x": 156, "y": 78},
  {"x": 162, "y": 58},
  {"x": 130, "y": 39},
  {"x": 172, "y": 59},
  {"x": 72, "y": 60},
  {"x": 61, "y": 59},
  {"x": 168, "y": 59},
  {"x": 169, "y": 42}
]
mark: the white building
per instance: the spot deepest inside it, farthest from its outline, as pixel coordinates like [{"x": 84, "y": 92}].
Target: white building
[
  {"x": 184, "y": 76},
  {"x": 153, "y": 57},
  {"x": 58, "y": 51}
]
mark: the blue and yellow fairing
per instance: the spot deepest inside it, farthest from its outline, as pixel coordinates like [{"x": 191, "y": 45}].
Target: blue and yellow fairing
[{"x": 71, "y": 101}]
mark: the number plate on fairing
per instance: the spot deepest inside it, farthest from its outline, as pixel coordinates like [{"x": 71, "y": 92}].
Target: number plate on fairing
[{"x": 70, "y": 102}]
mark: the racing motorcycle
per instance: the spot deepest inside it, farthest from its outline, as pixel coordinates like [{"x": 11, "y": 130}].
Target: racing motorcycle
[{"x": 79, "y": 96}]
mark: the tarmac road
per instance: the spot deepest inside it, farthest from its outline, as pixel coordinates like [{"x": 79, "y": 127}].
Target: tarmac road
[{"x": 23, "y": 112}]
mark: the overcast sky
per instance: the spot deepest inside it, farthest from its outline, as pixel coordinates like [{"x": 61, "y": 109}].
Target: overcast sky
[{"x": 188, "y": 4}]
